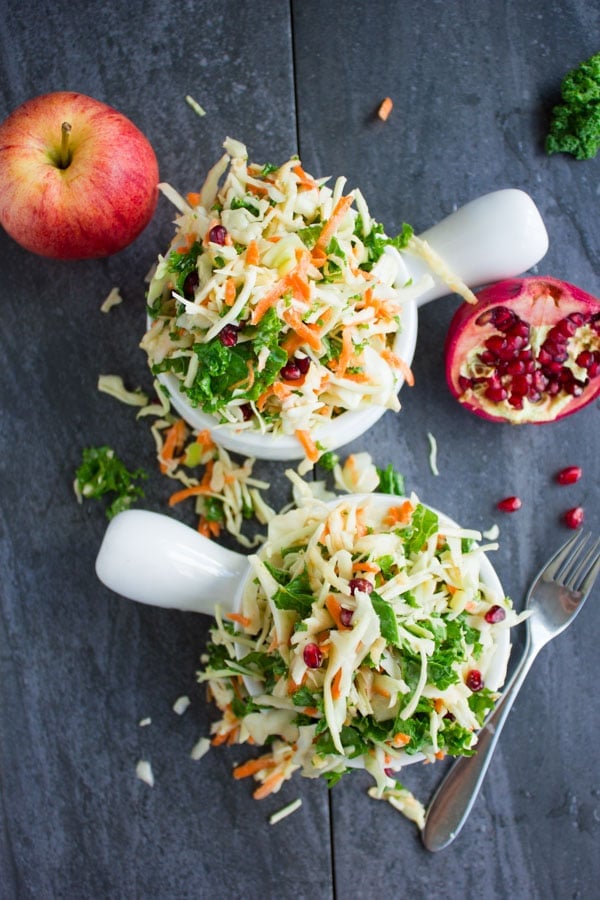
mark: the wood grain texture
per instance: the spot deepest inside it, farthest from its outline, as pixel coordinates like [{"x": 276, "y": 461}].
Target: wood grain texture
[{"x": 472, "y": 85}]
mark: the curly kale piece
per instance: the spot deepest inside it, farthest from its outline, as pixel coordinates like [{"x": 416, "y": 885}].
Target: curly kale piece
[
  {"x": 575, "y": 123},
  {"x": 102, "y": 472}
]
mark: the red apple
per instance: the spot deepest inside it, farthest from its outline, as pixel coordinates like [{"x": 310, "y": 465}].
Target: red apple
[{"x": 78, "y": 180}]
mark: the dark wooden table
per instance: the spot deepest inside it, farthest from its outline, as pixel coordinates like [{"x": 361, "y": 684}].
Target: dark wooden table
[{"x": 472, "y": 85}]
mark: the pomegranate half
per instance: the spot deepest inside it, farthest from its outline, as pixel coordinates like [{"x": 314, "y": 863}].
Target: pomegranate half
[{"x": 527, "y": 351}]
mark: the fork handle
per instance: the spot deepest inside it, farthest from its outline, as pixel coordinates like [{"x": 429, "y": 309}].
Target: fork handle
[{"x": 455, "y": 796}]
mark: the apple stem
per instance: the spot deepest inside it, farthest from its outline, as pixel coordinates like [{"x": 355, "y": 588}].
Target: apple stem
[{"x": 65, "y": 150}]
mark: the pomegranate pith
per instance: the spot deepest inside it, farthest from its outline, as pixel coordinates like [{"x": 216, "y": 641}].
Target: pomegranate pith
[{"x": 527, "y": 351}]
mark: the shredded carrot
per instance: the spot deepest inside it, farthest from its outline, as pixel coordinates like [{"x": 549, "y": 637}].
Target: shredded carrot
[
  {"x": 308, "y": 444},
  {"x": 244, "y": 621},
  {"x": 288, "y": 282},
  {"x": 336, "y": 681},
  {"x": 277, "y": 389},
  {"x": 385, "y": 108},
  {"x": 308, "y": 333},
  {"x": 305, "y": 180},
  {"x": 346, "y": 357},
  {"x": 378, "y": 689},
  {"x": 202, "y": 488},
  {"x": 252, "y": 766},
  {"x": 400, "y": 739},
  {"x": 334, "y": 608},
  {"x": 252, "y": 254},
  {"x": 205, "y": 440},
  {"x": 333, "y": 222},
  {"x": 208, "y": 527},
  {"x": 193, "y": 198},
  {"x": 365, "y": 567},
  {"x": 438, "y": 704},
  {"x": 225, "y": 737},
  {"x": 396, "y": 362},
  {"x": 173, "y": 444},
  {"x": 257, "y": 189},
  {"x": 318, "y": 257},
  {"x": 268, "y": 786},
  {"x": 311, "y": 711},
  {"x": 440, "y": 754},
  {"x": 230, "y": 292},
  {"x": 399, "y": 515}
]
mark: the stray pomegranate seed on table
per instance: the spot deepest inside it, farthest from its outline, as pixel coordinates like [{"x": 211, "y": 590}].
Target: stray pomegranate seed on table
[
  {"x": 509, "y": 504},
  {"x": 569, "y": 475},
  {"x": 573, "y": 518}
]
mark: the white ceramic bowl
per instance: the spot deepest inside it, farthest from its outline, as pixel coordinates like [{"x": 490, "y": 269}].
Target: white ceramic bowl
[{"x": 497, "y": 236}]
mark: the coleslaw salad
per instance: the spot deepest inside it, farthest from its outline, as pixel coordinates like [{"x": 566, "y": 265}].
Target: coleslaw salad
[
  {"x": 276, "y": 307},
  {"x": 367, "y": 638}
]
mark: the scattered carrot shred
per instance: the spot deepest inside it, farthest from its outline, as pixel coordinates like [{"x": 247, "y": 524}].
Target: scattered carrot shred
[
  {"x": 385, "y": 108},
  {"x": 172, "y": 445},
  {"x": 194, "y": 198},
  {"x": 268, "y": 786},
  {"x": 308, "y": 444},
  {"x": 396, "y": 362},
  {"x": 252, "y": 766}
]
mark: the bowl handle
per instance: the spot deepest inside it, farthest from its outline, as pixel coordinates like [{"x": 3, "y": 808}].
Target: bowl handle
[
  {"x": 496, "y": 236},
  {"x": 154, "y": 559}
]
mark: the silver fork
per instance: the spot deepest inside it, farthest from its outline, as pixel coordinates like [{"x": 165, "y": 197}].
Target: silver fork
[{"x": 554, "y": 599}]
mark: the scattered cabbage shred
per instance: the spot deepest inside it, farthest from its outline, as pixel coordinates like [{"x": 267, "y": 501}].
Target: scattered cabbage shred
[
  {"x": 274, "y": 267},
  {"x": 353, "y": 645}
]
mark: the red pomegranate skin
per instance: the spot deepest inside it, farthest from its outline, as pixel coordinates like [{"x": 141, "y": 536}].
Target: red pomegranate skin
[{"x": 523, "y": 369}]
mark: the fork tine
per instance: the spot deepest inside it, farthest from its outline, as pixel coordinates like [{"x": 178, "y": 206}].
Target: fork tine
[
  {"x": 556, "y": 561},
  {"x": 594, "y": 570},
  {"x": 579, "y": 563},
  {"x": 573, "y": 564}
]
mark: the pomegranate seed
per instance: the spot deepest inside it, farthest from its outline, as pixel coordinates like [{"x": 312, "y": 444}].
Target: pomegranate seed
[
  {"x": 228, "y": 335},
  {"x": 312, "y": 656},
  {"x": 574, "y": 517},
  {"x": 487, "y": 358},
  {"x": 516, "y": 367},
  {"x": 346, "y": 616},
  {"x": 496, "y": 393},
  {"x": 509, "y": 504},
  {"x": 569, "y": 475},
  {"x": 303, "y": 363},
  {"x": 578, "y": 319},
  {"x": 190, "y": 284},
  {"x": 495, "y": 614},
  {"x": 499, "y": 316},
  {"x": 464, "y": 383},
  {"x": 247, "y": 412},
  {"x": 516, "y": 401},
  {"x": 290, "y": 372},
  {"x": 360, "y": 584},
  {"x": 474, "y": 681},
  {"x": 217, "y": 234},
  {"x": 521, "y": 384},
  {"x": 389, "y": 772}
]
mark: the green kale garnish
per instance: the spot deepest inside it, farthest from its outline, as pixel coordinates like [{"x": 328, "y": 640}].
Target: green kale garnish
[
  {"x": 575, "y": 123},
  {"x": 376, "y": 241},
  {"x": 390, "y": 481},
  {"x": 101, "y": 472}
]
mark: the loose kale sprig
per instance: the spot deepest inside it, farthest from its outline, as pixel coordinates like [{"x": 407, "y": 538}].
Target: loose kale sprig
[{"x": 575, "y": 123}]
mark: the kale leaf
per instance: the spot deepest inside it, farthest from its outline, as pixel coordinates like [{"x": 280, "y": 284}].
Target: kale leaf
[
  {"x": 575, "y": 123},
  {"x": 102, "y": 472}
]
